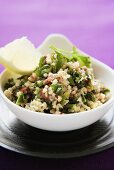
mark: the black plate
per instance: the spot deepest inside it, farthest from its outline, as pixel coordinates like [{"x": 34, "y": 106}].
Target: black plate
[{"x": 20, "y": 137}]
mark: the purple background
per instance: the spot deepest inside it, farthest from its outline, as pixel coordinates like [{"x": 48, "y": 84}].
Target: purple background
[{"x": 89, "y": 24}]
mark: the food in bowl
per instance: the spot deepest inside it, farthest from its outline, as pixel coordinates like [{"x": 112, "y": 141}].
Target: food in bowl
[{"x": 64, "y": 82}]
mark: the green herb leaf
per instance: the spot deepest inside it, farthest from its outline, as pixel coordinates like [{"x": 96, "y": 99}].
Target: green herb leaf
[
  {"x": 57, "y": 88},
  {"x": 74, "y": 56},
  {"x": 42, "y": 61},
  {"x": 90, "y": 96},
  {"x": 9, "y": 84},
  {"x": 105, "y": 91},
  {"x": 20, "y": 99},
  {"x": 81, "y": 58},
  {"x": 71, "y": 81},
  {"x": 66, "y": 54},
  {"x": 83, "y": 98},
  {"x": 40, "y": 71}
]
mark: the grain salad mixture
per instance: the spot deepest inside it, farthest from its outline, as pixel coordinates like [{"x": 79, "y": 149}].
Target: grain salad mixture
[{"x": 62, "y": 83}]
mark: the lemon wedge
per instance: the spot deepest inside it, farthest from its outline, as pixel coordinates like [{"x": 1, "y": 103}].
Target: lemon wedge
[{"x": 20, "y": 56}]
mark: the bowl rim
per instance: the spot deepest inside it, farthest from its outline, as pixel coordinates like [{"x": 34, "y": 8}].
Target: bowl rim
[{"x": 57, "y": 115}]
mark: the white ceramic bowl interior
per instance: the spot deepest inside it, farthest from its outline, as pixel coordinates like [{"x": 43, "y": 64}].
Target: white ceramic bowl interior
[{"x": 63, "y": 122}]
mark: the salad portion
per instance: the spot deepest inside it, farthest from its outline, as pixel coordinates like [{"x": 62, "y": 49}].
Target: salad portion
[{"x": 62, "y": 83}]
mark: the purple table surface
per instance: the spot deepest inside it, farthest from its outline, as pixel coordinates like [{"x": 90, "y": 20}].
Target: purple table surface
[{"x": 89, "y": 24}]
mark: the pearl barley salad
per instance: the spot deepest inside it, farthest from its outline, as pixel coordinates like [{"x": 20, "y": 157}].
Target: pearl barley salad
[{"x": 62, "y": 83}]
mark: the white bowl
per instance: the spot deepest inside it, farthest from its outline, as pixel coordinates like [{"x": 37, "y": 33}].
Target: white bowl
[{"x": 63, "y": 122}]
